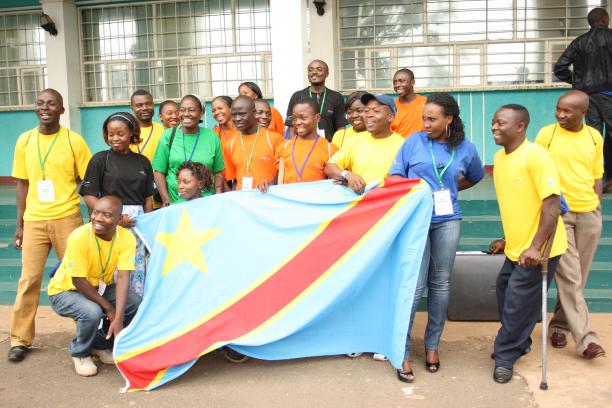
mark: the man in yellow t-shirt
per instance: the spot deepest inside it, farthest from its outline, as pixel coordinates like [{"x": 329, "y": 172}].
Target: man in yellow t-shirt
[
  {"x": 48, "y": 163},
  {"x": 578, "y": 152},
  {"x": 141, "y": 103},
  {"x": 368, "y": 157},
  {"x": 528, "y": 192},
  {"x": 83, "y": 286}
]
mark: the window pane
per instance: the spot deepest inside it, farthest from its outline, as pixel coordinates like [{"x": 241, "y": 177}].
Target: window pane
[
  {"x": 165, "y": 47},
  {"x": 469, "y": 66},
  {"x": 22, "y": 58},
  {"x": 432, "y": 66},
  {"x": 516, "y": 63}
]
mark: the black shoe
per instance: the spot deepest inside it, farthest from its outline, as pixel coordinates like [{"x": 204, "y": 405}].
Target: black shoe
[
  {"x": 234, "y": 356},
  {"x": 502, "y": 375},
  {"x": 17, "y": 353}
]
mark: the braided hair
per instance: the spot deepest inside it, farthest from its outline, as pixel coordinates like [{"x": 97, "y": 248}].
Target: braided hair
[{"x": 456, "y": 130}]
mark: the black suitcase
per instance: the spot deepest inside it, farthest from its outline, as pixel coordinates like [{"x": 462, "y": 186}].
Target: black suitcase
[{"x": 472, "y": 291}]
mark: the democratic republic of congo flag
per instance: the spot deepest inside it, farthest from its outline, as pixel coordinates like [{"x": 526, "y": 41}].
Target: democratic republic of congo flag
[{"x": 307, "y": 269}]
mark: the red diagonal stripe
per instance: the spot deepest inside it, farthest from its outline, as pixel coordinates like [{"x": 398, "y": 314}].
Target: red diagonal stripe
[{"x": 259, "y": 305}]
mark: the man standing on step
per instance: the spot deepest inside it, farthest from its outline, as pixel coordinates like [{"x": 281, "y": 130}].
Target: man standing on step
[
  {"x": 331, "y": 103},
  {"x": 49, "y": 161},
  {"x": 590, "y": 56},
  {"x": 578, "y": 152},
  {"x": 409, "y": 116},
  {"x": 528, "y": 192},
  {"x": 141, "y": 103}
]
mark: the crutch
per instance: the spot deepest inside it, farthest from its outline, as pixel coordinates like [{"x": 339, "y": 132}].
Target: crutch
[{"x": 544, "y": 270}]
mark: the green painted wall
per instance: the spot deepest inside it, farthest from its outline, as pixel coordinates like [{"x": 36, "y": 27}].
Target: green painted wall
[
  {"x": 12, "y": 124},
  {"x": 477, "y": 109},
  {"x": 19, "y": 3}
]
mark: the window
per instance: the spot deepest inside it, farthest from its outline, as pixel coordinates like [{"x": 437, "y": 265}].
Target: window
[
  {"x": 22, "y": 58},
  {"x": 456, "y": 43},
  {"x": 175, "y": 47}
]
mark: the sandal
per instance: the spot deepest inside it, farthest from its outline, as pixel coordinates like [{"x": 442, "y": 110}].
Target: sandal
[
  {"x": 432, "y": 367},
  {"x": 405, "y": 376}
]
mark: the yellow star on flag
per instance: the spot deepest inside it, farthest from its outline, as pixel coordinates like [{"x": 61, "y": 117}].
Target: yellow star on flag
[{"x": 184, "y": 245}]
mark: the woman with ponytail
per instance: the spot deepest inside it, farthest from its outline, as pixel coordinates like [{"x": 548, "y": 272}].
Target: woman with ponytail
[{"x": 442, "y": 157}]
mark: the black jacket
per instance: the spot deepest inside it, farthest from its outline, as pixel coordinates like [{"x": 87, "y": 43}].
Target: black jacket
[{"x": 591, "y": 57}]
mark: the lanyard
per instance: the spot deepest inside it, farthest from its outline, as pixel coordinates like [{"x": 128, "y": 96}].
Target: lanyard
[
  {"x": 43, "y": 161},
  {"x": 194, "y": 145},
  {"x": 144, "y": 146},
  {"x": 248, "y": 163},
  {"x": 299, "y": 172},
  {"x": 435, "y": 167},
  {"x": 110, "y": 251},
  {"x": 223, "y": 131},
  {"x": 322, "y": 102}
]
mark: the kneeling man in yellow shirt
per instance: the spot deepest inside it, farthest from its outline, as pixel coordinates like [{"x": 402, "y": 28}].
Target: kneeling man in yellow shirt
[{"x": 83, "y": 287}]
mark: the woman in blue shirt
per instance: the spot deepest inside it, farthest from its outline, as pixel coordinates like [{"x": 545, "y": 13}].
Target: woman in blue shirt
[{"x": 442, "y": 157}]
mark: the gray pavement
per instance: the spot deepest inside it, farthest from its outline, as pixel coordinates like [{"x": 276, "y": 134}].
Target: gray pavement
[{"x": 47, "y": 379}]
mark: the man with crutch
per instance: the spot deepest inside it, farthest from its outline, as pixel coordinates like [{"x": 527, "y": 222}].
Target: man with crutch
[{"x": 528, "y": 192}]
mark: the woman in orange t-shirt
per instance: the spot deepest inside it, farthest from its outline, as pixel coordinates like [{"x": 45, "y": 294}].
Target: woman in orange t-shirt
[
  {"x": 225, "y": 126},
  {"x": 252, "y": 90}
]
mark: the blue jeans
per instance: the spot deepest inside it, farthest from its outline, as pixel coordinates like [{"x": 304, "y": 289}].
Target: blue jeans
[
  {"x": 435, "y": 272},
  {"x": 87, "y": 315},
  {"x": 519, "y": 302}
]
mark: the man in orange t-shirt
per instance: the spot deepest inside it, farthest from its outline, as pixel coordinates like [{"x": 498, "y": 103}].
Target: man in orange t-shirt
[
  {"x": 250, "y": 156},
  {"x": 409, "y": 116},
  {"x": 303, "y": 158}
]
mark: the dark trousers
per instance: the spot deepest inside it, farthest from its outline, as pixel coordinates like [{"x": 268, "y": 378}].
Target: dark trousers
[
  {"x": 598, "y": 115},
  {"x": 519, "y": 300}
]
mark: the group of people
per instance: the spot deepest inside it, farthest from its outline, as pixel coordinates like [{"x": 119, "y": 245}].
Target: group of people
[{"x": 367, "y": 138}]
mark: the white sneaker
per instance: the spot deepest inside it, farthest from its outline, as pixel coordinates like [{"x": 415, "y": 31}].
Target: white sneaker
[
  {"x": 379, "y": 357},
  {"x": 354, "y": 355},
  {"x": 105, "y": 356},
  {"x": 85, "y": 366}
]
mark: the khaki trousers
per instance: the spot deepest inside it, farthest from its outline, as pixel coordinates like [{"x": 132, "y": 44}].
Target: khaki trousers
[
  {"x": 38, "y": 238},
  {"x": 571, "y": 311}
]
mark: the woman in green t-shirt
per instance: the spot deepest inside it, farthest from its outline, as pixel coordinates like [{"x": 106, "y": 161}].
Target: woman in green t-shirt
[{"x": 189, "y": 141}]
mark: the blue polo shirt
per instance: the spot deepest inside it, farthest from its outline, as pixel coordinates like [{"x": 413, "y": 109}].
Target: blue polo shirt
[{"x": 414, "y": 161}]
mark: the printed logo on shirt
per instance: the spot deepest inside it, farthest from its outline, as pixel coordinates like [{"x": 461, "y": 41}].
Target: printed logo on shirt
[
  {"x": 142, "y": 172},
  {"x": 519, "y": 180},
  {"x": 550, "y": 181}
]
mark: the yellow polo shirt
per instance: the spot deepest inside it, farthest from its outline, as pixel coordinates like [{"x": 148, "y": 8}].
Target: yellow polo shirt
[
  {"x": 343, "y": 135},
  {"x": 150, "y": 139},
  {"x": 82, "y": 259},
  {"x": 367, "y": 156},
  {"x": 67, "y": 161},
  {"x": 579, "y": 159},
  {"x": 523, "y": 179}
]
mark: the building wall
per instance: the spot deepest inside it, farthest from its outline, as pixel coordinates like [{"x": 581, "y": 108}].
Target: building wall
[{"x": 477, "y": 109}]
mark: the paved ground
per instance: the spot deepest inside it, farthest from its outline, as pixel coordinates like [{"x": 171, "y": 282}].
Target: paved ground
[{"x": 46, "y": 378}]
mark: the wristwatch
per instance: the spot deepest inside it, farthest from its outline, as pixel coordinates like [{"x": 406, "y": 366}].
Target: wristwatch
[{"x": 344, "y": 174}]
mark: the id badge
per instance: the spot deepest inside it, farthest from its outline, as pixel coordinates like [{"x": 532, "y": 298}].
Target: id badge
[
  {"x": 46, "y": 192},
  {"x": 247, "y": 183},
  {"x": 131, "y": 210},
  {"x": 101, "y": 287},
  {"x": 321, "y": 132},
  {"x": 443, "y": 205}
]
